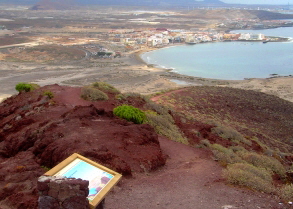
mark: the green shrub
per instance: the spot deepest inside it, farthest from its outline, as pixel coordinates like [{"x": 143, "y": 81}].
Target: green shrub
[
  {"x": 130, "y": 113},
  {"x": 286, "y": 192},
  {"x": 26, "y": 87},
  {"x": 92, "y": 94},
  {"x": 263, "y": 161},
  {"x": 49, "y": 94},
  {"x": 105, "y": 87},
  {"x": 165, "y": 125},
  {"x": 247, "y": 175}
]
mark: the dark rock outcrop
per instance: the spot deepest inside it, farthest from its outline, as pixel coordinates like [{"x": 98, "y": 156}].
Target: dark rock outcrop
[{"x": 63, "y": 193}]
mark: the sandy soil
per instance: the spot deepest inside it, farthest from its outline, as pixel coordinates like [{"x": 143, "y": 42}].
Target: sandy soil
[
  {"x": 278, "y": 86},
  {"x": 129, "y": 74}
]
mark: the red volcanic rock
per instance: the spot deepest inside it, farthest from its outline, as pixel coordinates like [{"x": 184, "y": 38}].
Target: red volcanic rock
[{"x": 37, "y": 131}]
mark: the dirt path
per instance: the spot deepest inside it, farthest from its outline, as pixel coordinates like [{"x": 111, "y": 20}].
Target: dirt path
[
  {"x": 156, "y": 98},
  {"x": 189, "y": 180}
]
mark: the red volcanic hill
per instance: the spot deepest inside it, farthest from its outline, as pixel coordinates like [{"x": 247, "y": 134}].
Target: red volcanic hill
[
  {"x": 254, "y": 114},
  {"x": 38, "y": 132},
  {"x": 39, "y": 129},
  {"x": 51, "y": 5}
]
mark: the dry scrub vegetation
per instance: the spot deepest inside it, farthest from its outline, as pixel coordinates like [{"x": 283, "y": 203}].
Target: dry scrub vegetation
[
  {"x": 247, "y": 175},
  {"x": 92, "y": 94},
  {"x": 222, "y": 122},
  {"x": 46, "y": 54},
  {"x": 158, "y": 116},
  {"x": 249, "y": 133},
  {"x": 213, "y": 119},
  {"x": 231, "y": 136}
]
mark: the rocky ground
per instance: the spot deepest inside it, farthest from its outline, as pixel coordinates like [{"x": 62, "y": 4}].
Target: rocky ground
[{"x": 38, "y": 132}]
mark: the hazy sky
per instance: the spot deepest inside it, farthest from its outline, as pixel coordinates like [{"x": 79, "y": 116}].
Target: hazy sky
[{"x": 279, "y": 2}]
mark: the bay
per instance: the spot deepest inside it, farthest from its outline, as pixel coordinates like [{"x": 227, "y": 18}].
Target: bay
[{"x": 228, "y": 60}]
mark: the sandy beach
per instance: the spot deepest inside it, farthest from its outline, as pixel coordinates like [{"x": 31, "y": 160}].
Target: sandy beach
[{"x": 129, "y": 74}]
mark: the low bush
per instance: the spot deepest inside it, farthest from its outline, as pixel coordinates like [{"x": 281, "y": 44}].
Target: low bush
[
  {"x": 92, "y": 94},
  {"x": 26, "y": 87},
  {"x": 105, "y": 87},
  {"x": 225, "y": 155},
  {"x": 205, "y": 143},
  {"x": 49, "y": 94},
  {"x": 165, "y": 125},
  {"x": 263, "y": 161},
  {"x": 237, "y": 148},
  {"x": 131, "y": 95},
  {"x": 120, "y": 97},
  {"x": 247, "y": 175},
  {"x": 160, "y": 109},
  {"x": 286, "y": 192},
  {"x": 130, "y": 113},
  {"x": 230, "y": 134}
]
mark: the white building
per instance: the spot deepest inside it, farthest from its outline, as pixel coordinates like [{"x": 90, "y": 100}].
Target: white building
[
  {"x": 257, "y": 37},
  {"x": 248, "y": 36},
  {"x": 244, "y": 36}
]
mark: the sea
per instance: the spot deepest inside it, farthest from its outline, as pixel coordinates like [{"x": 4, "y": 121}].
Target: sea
[{"x": 229, "y": 60}]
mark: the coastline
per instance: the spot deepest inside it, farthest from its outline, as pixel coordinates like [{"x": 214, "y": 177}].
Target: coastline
[
  {"x": 128, "y": 74},
  {"x": 149, "y": 49},
  {"x": 280, "y": 86}
]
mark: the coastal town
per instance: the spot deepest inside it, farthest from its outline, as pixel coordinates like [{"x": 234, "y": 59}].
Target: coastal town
[
  {"x": 115, "y": 42},
  {"x": 135, "y": 29},
  {"x": 109, "y": 38}
]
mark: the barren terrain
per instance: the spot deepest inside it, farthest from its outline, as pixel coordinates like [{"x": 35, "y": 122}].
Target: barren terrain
[
  {"x": 191, "y": 180},
  {"x": 38, "y": 132}
]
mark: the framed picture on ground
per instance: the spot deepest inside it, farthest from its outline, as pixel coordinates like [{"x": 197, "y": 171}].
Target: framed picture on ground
[{"x": 101, "y": 179}]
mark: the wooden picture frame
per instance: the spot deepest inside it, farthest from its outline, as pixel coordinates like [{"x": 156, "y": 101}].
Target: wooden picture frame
[{"x": 101, "y": 178}]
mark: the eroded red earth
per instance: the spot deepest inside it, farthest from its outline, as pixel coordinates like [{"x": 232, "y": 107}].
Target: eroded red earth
[{"x": 37, "y": 133}]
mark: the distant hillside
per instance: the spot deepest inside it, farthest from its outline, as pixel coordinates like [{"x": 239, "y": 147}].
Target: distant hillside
[
  {"x": 21, "y": 2},
  {"x": 150, "y": 3},
  {"x": 51, "y": 5},
  {"x": 266, "y": 15},
  {"x": 122, "y": 2},
  {"x": 233, "y": 14},
  {"x": 222, "y": 14}
]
